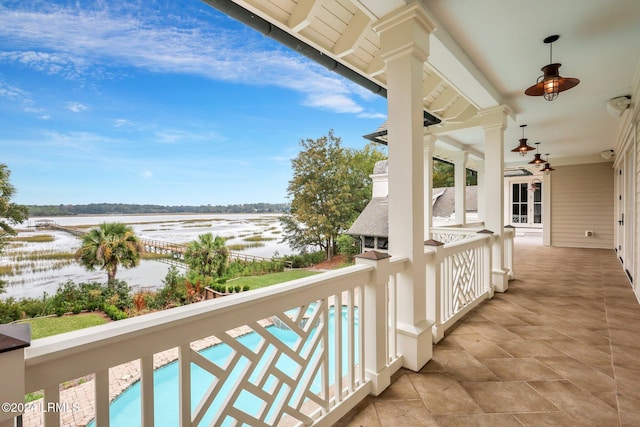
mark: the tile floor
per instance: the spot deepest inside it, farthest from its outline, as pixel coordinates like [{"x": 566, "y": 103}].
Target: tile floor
[{"x": 560, "y": 348}]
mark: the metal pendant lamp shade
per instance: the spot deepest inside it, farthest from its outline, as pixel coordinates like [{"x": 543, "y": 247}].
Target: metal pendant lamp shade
[
  {"x": 523, "y": 148},
  {"x": 547, "y": 167},
  {"x": 537, "y": 159},
  {"x": 551, "y": 83}
]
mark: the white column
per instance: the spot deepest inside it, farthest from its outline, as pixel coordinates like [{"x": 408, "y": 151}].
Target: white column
[
  {"x": 494, "y": 122},
  {"x": 404, "y": 47},
  {"x": 376, "y": 321},
  {"x": 460, "y": 176},
  {"x": 429, "y": 145},
  {"x": 482, "y": 205}
]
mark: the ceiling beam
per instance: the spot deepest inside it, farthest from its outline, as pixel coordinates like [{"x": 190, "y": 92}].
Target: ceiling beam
[
  {"x": 303, "y": 14},
  {"x": 352, "y": 35},
  {"x": 444, "y": 99}
]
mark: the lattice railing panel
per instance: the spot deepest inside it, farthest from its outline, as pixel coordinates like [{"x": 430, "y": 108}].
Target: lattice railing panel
[
  {"x": 288, "y": 374},
  {"x": 461, "y": 280}
]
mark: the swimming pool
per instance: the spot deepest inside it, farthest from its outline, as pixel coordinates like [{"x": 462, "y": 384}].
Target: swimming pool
[{"x": 125, "y": 409}]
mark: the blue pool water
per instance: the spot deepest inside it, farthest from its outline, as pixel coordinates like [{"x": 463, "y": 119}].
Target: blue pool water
[{"x": 125, "y": 409}]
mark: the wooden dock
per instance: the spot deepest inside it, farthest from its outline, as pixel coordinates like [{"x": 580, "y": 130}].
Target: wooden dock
[{"x": 174, "y": 252}]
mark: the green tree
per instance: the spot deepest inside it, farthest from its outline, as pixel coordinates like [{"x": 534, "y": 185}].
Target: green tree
[
  {"x": 207, "y": 256},
  {"x": 10, "y": 213},
  {"x": 329, "y": 189},
  {"x": 444, "y": 174},
  {"x": 108, "y": 246}
]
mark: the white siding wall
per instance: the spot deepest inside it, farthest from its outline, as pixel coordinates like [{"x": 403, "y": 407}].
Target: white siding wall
[
  {"x": 636, "y": 141},
  {"x": 582, "y": 198}
]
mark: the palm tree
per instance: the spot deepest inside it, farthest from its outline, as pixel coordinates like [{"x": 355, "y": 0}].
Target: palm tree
[
  {"x": 207, "y": 256},
  {"x": 108, "y": 246}
]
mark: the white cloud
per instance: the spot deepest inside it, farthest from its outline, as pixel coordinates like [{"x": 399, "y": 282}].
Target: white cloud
[
  {"x": 77, "y": 107},
  {"x": 44, "y": 117},
  {"x": 118, "y": 123},
  {"x": 80, "y": 43},
  {"x": 176, "y": 136},
  {"x": 147, "y": 174},
  {"x": 368, "y": 115},
  {"x": 9, "y": 91}
]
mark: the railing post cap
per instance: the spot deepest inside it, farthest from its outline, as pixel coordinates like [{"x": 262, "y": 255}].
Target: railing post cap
[
  {"x": 14, "y": 336},
  {"x": 432, "y": 242},
  {"x": 485, "y": 231},
  {"x": 373, "y": 255},
  {"x": 509, "y": 226}
]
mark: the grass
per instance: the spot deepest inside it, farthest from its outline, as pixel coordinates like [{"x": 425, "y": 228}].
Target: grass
[
  {"x": 46, "y": 326},
  {"x": 258, "y": 239},
  {"x": 255, "y": 282},
  {"x": 41, "y": 238}
]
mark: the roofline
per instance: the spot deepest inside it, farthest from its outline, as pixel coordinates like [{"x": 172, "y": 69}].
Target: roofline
[{"x": 252, "y": 20}]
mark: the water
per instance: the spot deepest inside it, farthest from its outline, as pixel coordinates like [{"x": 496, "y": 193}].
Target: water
[
  {"x": 36, "y": 277},
  {"x": 125, "y": 409}
]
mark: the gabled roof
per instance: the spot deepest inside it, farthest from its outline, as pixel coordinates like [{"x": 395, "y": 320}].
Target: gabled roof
[{"x": 374, "y": 219}]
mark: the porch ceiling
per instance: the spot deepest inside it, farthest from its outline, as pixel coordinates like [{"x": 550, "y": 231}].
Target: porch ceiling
[{"x": 487, "y": 53}]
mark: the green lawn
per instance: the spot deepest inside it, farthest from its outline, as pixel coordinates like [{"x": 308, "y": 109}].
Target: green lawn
[
  {"x": 45, "y": 326},
  {"x": 255, "y": 282}
]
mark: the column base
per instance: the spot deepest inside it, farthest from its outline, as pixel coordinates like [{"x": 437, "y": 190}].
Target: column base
[
  {"x": 415, "y": 343},
  {"x": 500, "y": 280}
]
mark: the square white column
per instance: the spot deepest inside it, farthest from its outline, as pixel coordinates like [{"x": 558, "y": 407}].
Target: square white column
[{"x": 404, "y": 41}]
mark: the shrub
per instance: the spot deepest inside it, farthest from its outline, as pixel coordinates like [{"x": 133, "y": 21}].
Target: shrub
[
  {"x": 114, "y": 312},
  {"x": 347, "y": 246},
  {"x": 305, "y": 259}
]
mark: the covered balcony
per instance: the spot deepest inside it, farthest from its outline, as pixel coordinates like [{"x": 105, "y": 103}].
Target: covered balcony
[
  {"x": 558, "y": 349},
  {"x": 468, "y": 325}
]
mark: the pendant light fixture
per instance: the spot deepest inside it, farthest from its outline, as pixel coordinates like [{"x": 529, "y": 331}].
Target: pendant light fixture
[
  {"x": 523, "y": 148},
  {"x": 537, "y": 159},
  {"x": 547, "y": 167},
  {"x": 550, "y": 84}
]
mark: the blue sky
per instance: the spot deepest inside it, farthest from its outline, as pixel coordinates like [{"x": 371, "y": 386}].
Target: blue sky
[{"x": 161, "y": 102}]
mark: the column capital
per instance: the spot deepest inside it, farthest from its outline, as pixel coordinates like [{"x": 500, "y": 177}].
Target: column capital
[
  {"x": 405, "y": 31},
  {"x": 460, "y": 157},
  {"x": 494, "y": 117},
  {"x": 429, "y": 142}
]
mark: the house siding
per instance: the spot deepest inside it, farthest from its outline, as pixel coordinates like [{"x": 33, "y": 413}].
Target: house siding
[
  {"x": 582, "y": 199},
  {"x": 636, "y": 225}
]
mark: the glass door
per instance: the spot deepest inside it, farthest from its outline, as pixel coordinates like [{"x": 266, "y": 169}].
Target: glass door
[{"x": 526, "y": 204}]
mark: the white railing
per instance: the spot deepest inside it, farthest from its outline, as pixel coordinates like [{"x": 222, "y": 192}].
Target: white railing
[
  {"x": 458, "y": 279},
  {"x": 457, "y": 233},
  {"x": 508, "y": 242},
  {"x": 330, "y": 376}
]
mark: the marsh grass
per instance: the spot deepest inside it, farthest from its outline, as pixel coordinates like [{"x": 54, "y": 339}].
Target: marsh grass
[
  {"x": 23, "y": 256},
  {"x": 258, "y": 238},
  {"x": 242, "y": 246},
  {"x": 40, "y": 238}
]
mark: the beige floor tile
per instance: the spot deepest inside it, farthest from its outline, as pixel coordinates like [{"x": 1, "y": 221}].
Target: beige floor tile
[
  {"x": 520, "y": 369},
  {"x": 400, "y": 389},
  {"x": 442, "y": 394},
  {"x": 478, "y": 347},
  {"x": 577, "y": 403},
  {"x": 546, "y": 419},
  {"x": 367, "y": 417},
  {"x": 580, "y": 374},
  {"x": 462, "y": 365},
  {"x": 478, "y": 420},
  {"x": 507, "y": 397},
  {"x": 530, "y": 348},
  {"x": 403, "y": 413}
]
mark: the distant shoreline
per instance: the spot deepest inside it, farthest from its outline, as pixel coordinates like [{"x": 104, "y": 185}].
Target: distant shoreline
[{"x": 146, "y": 209}]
